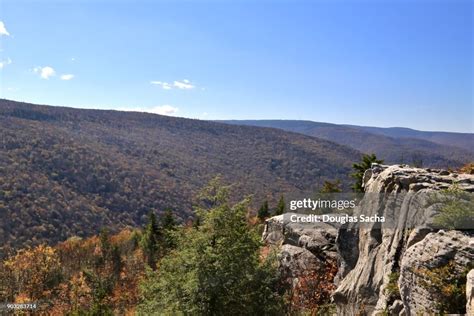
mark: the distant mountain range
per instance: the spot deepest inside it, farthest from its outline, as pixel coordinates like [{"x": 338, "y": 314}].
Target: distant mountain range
[
  {"x": 66, "y": 172},
  {"x": 461, "y": 140},
  {"x": 394, "y": 145}
]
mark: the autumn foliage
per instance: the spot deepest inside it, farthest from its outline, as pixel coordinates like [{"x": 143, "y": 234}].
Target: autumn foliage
[{"x": 77, "y": 275}]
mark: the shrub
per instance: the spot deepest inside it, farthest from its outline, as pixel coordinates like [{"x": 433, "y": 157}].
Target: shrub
[
  {"x": 447, "y": 286},
  {"x": 392, "y": 289},
  {"x": 457, "y": 210}
]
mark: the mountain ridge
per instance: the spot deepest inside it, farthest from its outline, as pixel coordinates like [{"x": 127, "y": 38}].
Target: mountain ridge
[
  {"x": 66, "y": 172},
  {"x": 391, "y": 149}
]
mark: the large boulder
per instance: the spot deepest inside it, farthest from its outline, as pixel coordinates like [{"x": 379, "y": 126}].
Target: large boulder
[
  {"x": 440, "y": 261},
  {"x": 296, "y": 261},
  {"x": 307, "y": 258},
  {"x": 318, "y": 238}
]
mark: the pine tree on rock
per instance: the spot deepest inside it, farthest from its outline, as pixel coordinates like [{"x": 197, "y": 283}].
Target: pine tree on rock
[{"x": 360, "y": 168}]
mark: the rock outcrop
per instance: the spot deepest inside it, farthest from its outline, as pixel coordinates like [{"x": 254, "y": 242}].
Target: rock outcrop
[
  {"x": 307, "y": 256},
  {"x": 317, "y": 238},
  {"x": 295, "y": 261},
  {"x": 378, "y": 262},
  {"x": 402, "y": 195}
]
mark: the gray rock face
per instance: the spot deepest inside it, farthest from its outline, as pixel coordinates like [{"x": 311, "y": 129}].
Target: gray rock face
[
  {"x": 396, "y": 308},
  {"x": 436, "y": 250},
  {"x": 470, "y": 293},
  {"x": 318, "y": 238},
  {"x": 376, "y": 260},
  {"x": 400, "y": 194},
  {"x": 306, "y": 248},
  {"x": 295, "y": 261}
]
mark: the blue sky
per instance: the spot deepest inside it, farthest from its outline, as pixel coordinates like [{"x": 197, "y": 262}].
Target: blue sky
[{"x": 379, "y": 63}]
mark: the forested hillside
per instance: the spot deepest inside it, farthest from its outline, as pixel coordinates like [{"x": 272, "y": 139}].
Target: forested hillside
[
  {"x": 66, "y": 172},
  {"x": 429, "y": 149}
]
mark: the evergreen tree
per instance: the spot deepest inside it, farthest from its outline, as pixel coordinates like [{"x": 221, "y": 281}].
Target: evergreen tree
[
  {"x": 360, "y": 169},
  {"x": 280, "y": 209},
  {"x": 215, "y": 270},
  {"x": 116, "y": 260},
  {"x": 264, "y": 211},
  {"x": 331, "y": 187},
  {"x": 168, "y": 227},
  {"x": 105, "y": 247},
  {"x": 167, "y": 221},
  {"x": 150, "y": 240},
  {"x": 327, "y": 193}
]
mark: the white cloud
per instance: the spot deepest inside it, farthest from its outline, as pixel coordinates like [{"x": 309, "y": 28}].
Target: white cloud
[
  {"x": 165, "y": 109},
  {"x": 183, "y": 84},
  {"x": 3, "y": 63},
  {"x": 3, "y": 30},
  {"x": 45, "y": 72},
  {"x": 67, "y": 77},
  {"x": 164, "y": 85}
]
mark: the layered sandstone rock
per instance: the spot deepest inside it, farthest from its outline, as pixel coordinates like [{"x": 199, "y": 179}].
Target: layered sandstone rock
[
  {"x": 401, "y": 194},
  {"x": 378, "y": 261}
]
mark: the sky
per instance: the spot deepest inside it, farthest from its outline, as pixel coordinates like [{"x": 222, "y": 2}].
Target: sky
[{"x": 376, "y": 63}]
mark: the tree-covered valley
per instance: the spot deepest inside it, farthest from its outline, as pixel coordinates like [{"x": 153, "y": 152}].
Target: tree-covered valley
[
  {"x": 67, "y": 172},
  {"x": 127, "y": 213}
]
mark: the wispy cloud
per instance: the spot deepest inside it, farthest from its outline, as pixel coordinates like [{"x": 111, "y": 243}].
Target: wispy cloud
[
  {"x": 67, "y": 77},
  {"x": 3, "y": 29},
  {"x": 184, "y": 84},
  {"x": 3, "y": 63},
  {"x": 164, "y": 85},
  {"x": 45, "y": 72},
  {"x": 165, "y": 109}
]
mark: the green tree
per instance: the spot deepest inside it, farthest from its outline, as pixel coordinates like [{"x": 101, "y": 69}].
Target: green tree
[
  {"x": 150, "y": 240},
  {"x": 360, "y": 168},
  {"x": 216, "y": 269},
  {"x": 263, "y": 211},
  {"x": 280, "y": 209},
  {"x": 105, "y": 248},
  {"x": 168, "y": 227},
  {"x": 116, "y": 260},
  {"x": 331, "y": 187},
  {"x": 168, "y": 221},
  {"x": 327, "y": 193}
]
